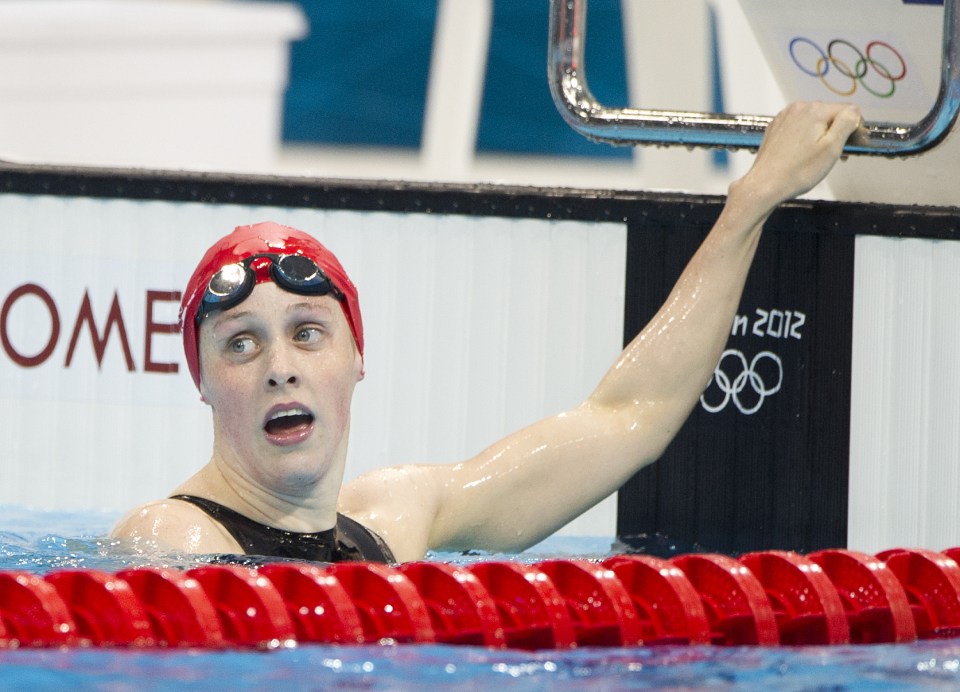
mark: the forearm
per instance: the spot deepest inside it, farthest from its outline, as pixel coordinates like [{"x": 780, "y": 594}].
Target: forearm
[{"x": 672, "y": 358}]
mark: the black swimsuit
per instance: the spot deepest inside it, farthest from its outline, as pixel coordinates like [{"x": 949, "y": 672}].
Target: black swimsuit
[{"x": 347, "y": 541}]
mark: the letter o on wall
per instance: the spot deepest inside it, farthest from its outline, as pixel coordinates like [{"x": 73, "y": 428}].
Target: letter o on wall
[{"x": 15, "y": 295}]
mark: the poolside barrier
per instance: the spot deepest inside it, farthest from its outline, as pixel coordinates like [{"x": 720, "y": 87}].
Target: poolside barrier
[{"x": 765, "y": 598}]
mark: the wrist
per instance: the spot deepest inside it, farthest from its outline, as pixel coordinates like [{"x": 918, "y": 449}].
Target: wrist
[
  {"x": 751, "y": 197},
  {"x": 749, "y": 203}
]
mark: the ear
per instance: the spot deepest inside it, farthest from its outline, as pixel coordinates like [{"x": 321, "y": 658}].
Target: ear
[
  {"x": 203, "y": 393},
  {"x": 361, "y": 368}
]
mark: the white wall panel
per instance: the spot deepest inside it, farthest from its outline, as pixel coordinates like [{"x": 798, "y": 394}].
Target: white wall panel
[
  {"x": 905, "y": 425},
  {"x": 474, "y": 328}
]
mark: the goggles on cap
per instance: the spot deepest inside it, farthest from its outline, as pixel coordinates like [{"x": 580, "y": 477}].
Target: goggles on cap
[{"x": 233, "y": 283}]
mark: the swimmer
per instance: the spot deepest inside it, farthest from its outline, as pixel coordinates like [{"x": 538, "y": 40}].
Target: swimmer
[{"x": 274, "y": 341}]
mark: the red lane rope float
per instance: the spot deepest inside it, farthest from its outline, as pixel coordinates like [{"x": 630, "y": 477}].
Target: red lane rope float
[
  {"x": 389, "y": 604},
  {"x": 765, "y": 598},
  {"x": 806, "y": 605},
  {"x": 669, "y": 608},
  {"x": 532, "y": 609},
  {"x": 598, "y": 604},
  {"x": 462, "y": 611},
  {"x": 32, "y": 612},
  {"x": 320, "y": 607},
  {"x": 877, "y": 607},
  {"x": 932, "y": 583},
  {"x": 105, "y": 608},
  {"x": 250, "y": 609},
  {"x": 736, "y": 604},
  {"x": 179, "y": 611}
]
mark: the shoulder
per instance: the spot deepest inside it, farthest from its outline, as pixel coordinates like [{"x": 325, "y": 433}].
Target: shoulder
[
  {"x": 399, "y": 504},
  {"x": 173, "y": 525}
]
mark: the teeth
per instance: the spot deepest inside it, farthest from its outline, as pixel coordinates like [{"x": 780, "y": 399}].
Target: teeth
[{"x": 289, "y": 412}]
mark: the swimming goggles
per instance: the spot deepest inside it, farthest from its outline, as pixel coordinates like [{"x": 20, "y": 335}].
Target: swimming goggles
[{"x": 233, "y": 283}]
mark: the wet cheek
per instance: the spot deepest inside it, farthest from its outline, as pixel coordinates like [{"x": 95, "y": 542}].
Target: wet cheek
[
  {"x": 342, "y": 401},
  {"x": 344, "y": 412},
  {"x": 227, "y": 397}
]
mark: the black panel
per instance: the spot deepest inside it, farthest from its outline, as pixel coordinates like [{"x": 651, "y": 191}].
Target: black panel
[{"x": 754, "y": 468}]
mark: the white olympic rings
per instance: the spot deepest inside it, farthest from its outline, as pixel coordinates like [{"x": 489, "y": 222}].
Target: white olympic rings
[
  {"x": 867, "y": 61},
  {"x": 743, "y": 375}
]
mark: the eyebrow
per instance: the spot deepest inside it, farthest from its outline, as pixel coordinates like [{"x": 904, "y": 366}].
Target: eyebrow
[
  {"x": 223, "y": 316},
  {"x": 310, "y": 306},
  {"x": 305, "y": 304}
]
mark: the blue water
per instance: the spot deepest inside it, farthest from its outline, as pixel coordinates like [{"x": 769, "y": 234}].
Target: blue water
[{"x": 44, "y": 541}]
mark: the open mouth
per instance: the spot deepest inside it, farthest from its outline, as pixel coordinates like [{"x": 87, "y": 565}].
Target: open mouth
[{"x": 290, "y": 425}]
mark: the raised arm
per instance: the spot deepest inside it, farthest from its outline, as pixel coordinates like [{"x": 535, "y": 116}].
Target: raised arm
[{"x": 527, "y": 485}]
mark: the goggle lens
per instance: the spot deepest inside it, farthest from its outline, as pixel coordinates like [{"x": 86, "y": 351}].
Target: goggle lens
[
  {"x": 300, "y": 271},
  {"x": 227, "y": 281}
]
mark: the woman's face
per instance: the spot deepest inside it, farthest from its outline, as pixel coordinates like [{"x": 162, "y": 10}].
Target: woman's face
[{"x": 279, "y": 371}]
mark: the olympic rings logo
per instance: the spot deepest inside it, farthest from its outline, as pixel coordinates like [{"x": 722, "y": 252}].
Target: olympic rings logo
[
  {"x": 763, "y": 379},
  {"x": 877, "y": 68}
]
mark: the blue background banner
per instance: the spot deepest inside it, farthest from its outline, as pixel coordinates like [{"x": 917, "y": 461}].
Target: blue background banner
[{"x": 360, "y": 77}]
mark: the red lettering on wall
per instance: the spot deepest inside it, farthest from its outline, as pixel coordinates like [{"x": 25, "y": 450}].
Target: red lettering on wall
[
  {"x": 100, "y": 344},
  {"x": 158, "y": 328},
  {"x": 16, "y": 356}
]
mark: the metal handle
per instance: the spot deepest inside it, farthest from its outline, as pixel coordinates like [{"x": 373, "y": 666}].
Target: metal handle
[{"x": 568, "y": 85}]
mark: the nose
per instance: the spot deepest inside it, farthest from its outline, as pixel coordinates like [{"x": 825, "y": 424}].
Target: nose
[
  {"x": 281, "y": 371},
  {"x": 276, "y": 381}
]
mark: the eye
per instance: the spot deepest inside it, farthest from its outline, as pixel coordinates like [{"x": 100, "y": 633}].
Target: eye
[
  {"x": 241, "y": 345},
  {"x": 307, "y": 335}
]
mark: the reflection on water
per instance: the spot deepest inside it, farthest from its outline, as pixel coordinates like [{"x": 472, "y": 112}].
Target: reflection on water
[{"x": 887, "y": 667}]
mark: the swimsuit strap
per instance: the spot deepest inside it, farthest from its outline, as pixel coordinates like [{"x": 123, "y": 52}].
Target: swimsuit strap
[{"x": 349, "y": 540}]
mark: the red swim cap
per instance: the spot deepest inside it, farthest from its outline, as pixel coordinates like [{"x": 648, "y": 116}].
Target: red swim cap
[{"x": 244, "y": 242}]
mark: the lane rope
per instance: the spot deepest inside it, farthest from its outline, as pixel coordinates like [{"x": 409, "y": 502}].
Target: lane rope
[{"x": 762, "y": 598}]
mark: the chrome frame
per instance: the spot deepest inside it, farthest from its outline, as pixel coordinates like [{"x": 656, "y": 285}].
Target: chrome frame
[{"x": 577, "y": 105}]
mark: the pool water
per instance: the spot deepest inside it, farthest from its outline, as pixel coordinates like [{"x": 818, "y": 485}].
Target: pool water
[{"x": 45, "y": 541}]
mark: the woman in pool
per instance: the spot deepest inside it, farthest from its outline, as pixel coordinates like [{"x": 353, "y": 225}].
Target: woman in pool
[{"x": 274, "y": 341}]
